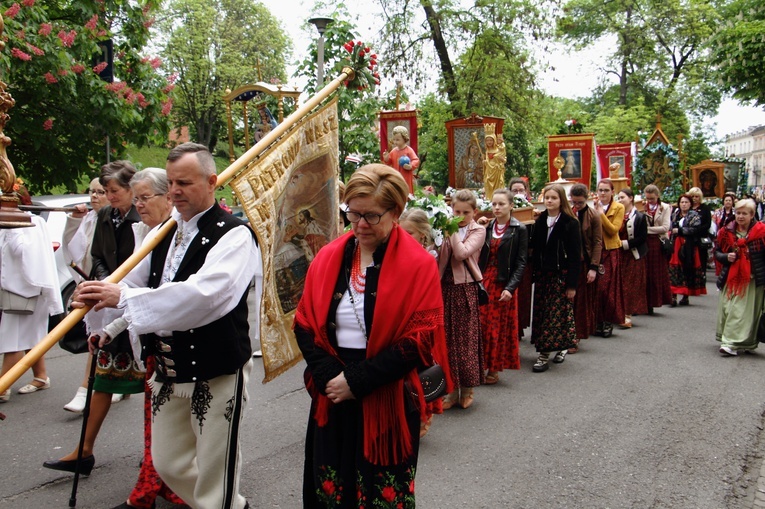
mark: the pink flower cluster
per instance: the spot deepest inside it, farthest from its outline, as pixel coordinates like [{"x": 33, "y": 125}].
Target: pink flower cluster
[
  {"x": 48, "y": 124},
  {"x": 78, "y": 68},
  {"x": 92, "y": 23},
  {"x": 28, "y": 3},
  {"x": 142, "y": 102},
  {"x": 116, "y": 86},
  {"x": 67, "y": 39},
  {"x": 16, "y": 52},
  {"x": 21, "y": 34},
  {"x": 34, "y": 49},
  {"x": 63, "y": 72},
  {"x": 169, "y": 88},
  {"x": 100, "y": 67},
  {"x": 172, "y": 78},
  {"x": 45, "y": 29},
  {"x": 166, "y": 107},
  {"x": 12, "y": 11},
  {"x": 50, "y": 78}
]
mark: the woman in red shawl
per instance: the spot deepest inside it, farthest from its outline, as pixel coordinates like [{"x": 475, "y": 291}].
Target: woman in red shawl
[
  {"x": 370, "y": 316},
  {"x": 741, "y": 251}
]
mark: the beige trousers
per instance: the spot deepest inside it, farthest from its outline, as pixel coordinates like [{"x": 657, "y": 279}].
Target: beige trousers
[{"x": 195, "y": 441}]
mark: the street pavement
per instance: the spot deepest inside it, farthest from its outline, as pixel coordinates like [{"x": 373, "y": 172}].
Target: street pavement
[{"x": 652, "y": 417}]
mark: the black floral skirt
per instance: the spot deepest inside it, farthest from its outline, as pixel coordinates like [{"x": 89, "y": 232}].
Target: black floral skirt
[{"x": 552, "y": 327}]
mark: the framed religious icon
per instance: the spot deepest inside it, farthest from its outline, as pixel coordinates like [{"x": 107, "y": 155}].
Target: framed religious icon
[
  {"x": 575, "y": 152},
  {"x": 710, "y": 178},
  {"x": 389, "y": 120},
  {"x": 467, "y": 146},
  {"x": 731, "y": 172}
]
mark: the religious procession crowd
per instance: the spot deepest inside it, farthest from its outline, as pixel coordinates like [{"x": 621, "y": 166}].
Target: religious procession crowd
[{"x": 393, "y": 328}]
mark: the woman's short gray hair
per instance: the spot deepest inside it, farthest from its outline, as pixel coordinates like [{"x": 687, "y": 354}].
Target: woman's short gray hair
[{"x": 156, "y": 177}]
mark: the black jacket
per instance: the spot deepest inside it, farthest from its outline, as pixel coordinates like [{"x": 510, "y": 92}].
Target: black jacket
[
  {"x": 640, "y": 235},
  {"x": 112, "y": 246},
  {"x": 511, "y": 256},
  {"x": 562, "y": 252}
]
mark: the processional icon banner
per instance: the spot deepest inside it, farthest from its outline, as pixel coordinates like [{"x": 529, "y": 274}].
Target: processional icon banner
[
  {"x": 289, "y": 194},
  {"x": 611, "y": 153},
  {"x": 575, "y": 152},
  {"x": 391, "y": 119}
]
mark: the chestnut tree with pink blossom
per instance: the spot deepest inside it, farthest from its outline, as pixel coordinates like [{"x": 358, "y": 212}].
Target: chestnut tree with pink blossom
[{"x": 64, "y": 111}]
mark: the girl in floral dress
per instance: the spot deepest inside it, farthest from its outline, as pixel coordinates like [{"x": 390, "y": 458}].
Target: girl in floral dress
[
  {"x": 502, "y": 262},
  {"x": 556, "y": 249},
  {"x": 460, "y": 274}
]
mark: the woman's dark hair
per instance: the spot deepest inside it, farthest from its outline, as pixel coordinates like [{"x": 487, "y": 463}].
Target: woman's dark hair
[
  {"x": 628, "y": 192},
  {"x": 730, "y": 195},
  {"x": 579, "y": 190},
  {"x": 119, "y": 171},
  {"x": 686, "y": 196}
]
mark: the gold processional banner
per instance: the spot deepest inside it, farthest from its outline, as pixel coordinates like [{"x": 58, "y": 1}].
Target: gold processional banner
[{"x": 289, "y": 194}]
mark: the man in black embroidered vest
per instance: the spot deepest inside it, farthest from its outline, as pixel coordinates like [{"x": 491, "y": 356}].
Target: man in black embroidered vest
[{"x": 188, "y": 301}]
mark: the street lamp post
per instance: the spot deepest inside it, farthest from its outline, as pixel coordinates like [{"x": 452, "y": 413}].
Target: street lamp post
[{"x": 321, "y": 25}]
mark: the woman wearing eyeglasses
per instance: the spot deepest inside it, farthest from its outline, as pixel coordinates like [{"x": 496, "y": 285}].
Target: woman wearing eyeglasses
[
  {"x": 370, "y": 316},
  {"x": 76, "y": 243},
  {"x": 116, "y": 372}
]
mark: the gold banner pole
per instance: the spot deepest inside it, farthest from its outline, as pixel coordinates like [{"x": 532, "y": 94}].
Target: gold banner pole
[{"x": 224, "y": 178}]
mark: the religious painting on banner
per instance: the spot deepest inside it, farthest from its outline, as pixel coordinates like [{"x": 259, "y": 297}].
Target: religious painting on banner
[
  {"x": 466, "y": 138},
  {"x": 709, "y": 176},
  {"x": 391, "y": 119},
  {"x": 611, "y": 153},
  {"x": 575, "y": 151},
  {"x": 290, "y": 197}
]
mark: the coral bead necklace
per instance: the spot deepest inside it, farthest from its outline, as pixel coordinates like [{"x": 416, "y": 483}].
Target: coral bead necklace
[{"x": 358, "y": 278}]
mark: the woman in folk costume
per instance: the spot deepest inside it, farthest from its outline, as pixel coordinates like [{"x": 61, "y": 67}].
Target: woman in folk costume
[
  {"x": 741, "y": 251},
  {"x": 402, "y": 157},
  {"x": 502, "y": 262},
  {"x": 460, "y": 275},
  {"x": 610, "y": 289},
  {"x": 687, "y": 271},
  {"x": 585, "y": 302},
  {"x": 722, "y": 217},
  {"x": 519, "y": 186},
  {"x": 659, "y": 217},
  {"x": 370, "y": 316},
  {"x": 633, "y": 234},
  {"x": 556, "y": 252}
]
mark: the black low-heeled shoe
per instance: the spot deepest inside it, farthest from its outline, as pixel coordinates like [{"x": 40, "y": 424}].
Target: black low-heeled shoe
[{"x": 86, "y": 465}]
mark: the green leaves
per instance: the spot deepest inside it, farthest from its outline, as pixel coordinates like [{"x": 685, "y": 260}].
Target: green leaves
[{"x": 64, "y": 112}]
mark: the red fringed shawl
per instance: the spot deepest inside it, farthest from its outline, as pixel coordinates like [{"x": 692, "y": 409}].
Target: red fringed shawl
[
  {"x": 740, "y": 271},
  {"x": 408, "y": 306}
]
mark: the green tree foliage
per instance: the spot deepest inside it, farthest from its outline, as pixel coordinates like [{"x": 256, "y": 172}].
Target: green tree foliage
[
  {"x": 484, "y": 65},
  {"x": 738, "y": 47},
  {"x": 214, "y": 45},
  {"x": 659, "y": 52},
  {"x": 357, "y": 110},
  {"x": 63, "y": 111}
]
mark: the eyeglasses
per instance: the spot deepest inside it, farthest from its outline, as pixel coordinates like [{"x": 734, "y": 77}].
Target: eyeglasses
[
  {"x": 144, "y": 199},
  {"x": 370, "y": 217},
  {"x": 99, "y": 192}
]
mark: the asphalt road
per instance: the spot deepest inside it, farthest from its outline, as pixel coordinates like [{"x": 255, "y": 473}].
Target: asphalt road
[{"x": 650, "y": 418}]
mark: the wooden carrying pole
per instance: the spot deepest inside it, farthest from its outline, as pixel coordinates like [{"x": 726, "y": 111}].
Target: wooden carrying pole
[{"x": 229, "y": 173}]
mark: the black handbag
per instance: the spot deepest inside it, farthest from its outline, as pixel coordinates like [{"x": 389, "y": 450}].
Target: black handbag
[
  {"x": 433, "y": 381},
  {"x": 667, "y": 246},
  {"x": 76, "y": 339}
]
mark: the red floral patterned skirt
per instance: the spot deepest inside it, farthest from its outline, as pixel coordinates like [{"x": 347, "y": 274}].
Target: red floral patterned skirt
[{"x": 499, "y": 321}]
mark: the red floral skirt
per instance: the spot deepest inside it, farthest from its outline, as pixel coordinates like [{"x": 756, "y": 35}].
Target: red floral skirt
[{"x": 499, "y": 321}]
